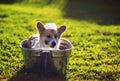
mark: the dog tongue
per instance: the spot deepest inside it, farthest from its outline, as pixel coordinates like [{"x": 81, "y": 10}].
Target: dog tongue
[{"x": 51, "y": 26}]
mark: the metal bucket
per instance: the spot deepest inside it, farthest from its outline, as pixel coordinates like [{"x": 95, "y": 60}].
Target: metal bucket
[{"x": 47, "y": 62}]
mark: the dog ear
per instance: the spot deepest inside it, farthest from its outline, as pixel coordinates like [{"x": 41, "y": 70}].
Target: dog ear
[
  {"x": 61, "y": 29},
  {"x": 40, "y": 27}
]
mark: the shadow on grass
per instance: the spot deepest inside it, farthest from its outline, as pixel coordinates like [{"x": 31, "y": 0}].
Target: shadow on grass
[
  {"x": 9, "y": 1},
  {"x": 24, "y": 75},
  {"x": 104, "y": 12}
]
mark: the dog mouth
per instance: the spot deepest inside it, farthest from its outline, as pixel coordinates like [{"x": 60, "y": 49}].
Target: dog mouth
[{"x": 52, "y": 45}]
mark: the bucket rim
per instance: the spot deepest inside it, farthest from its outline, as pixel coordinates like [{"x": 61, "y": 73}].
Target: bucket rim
[{"x": 38, "y": 49}]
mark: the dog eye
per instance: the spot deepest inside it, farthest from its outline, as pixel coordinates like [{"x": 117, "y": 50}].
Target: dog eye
[
  {"x": 55, "y": 36},
  {"x": 48, "y": 36}
]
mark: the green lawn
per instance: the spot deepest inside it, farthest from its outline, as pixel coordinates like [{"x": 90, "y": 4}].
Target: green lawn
[{"x": 96, "y": 52}]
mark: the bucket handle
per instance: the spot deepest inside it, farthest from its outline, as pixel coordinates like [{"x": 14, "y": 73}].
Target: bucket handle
[
  {"x": 45, "y": 51},
  {"x": 45, "y": 54}
]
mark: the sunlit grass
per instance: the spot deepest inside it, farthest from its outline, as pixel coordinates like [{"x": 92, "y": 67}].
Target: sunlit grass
[{"x": 96, "y": 51}]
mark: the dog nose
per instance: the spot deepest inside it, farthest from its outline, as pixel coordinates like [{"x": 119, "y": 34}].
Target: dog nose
[{"x": 53, "y": 43}]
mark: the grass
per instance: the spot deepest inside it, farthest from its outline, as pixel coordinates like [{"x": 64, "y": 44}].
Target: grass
[{"x": 96, "y": 51}]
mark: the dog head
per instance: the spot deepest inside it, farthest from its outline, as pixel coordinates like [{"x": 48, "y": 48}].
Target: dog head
[{"x": 49, "y": 34}]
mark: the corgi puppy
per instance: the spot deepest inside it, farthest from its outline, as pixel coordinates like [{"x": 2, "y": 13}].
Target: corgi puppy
[{"x": 48, "y": 37}]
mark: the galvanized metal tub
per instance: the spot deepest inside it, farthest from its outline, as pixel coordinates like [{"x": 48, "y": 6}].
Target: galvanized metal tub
[{"x": 47, "y": 62}]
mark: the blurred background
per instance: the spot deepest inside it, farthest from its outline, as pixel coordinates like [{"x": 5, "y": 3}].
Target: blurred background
[
  {"x": 100, "y": 11},
  {"x": 93, "y": 27}
]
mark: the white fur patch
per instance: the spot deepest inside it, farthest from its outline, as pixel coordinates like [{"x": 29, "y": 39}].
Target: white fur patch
[{"x": 51, "y": 26}]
